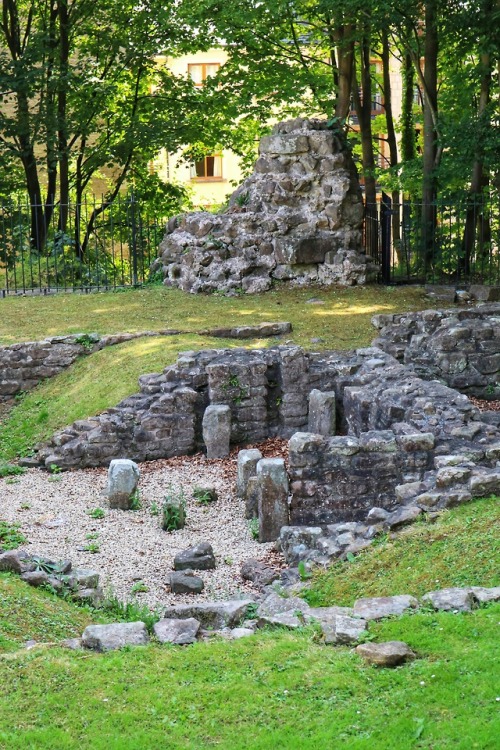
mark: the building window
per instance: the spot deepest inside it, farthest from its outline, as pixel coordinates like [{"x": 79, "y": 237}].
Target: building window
[
  {"x": 199, "y": 72},
  {"x": 208, "y": 168}
]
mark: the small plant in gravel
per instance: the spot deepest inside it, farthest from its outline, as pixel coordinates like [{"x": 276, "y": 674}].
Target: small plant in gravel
[
  {"x": 204, "y": 495},
  {"x": 10, "y": 470},
  {"x": 139, "y": 588},
  {"x": 10, "y": 536},
  {"x": 55, "y": 469},
  {"x": 135, "y": 501},
  {"x": 92, "y": 547},
  {"x": 96, "y": 513},
  {"x": 154, "y": 510},
  {"x": 253, "y": 527},
  {"x": 173, "y": 513}
]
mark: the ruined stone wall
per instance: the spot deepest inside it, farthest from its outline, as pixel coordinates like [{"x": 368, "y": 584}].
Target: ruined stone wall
[
  {"x": 336, "y": 479},
  {"x": 297, "y": 218},
  {"x": 267, "y": 391},
  {"x": 459, "y": 347}
]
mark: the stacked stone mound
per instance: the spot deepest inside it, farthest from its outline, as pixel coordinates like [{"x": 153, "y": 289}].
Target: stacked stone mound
[
  {"x": 297, "y": 218},
  {"x": 459, "y": 347}
]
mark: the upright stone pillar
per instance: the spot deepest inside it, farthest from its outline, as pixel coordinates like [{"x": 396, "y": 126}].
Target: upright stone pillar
[
  {"x": 123, "y": 477},
  {"x": 273, "y": 498},
  {"x": 217, "y": 430},
  {"x": 322, "y": 418},
  {"x": 247, "y": 468}
]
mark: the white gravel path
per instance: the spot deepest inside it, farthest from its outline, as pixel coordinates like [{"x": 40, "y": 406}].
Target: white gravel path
[{"x": 53, "y": 513}]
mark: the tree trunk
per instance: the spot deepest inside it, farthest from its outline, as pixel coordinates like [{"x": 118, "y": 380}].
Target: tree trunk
[
  {"x": 391, "y": 140},
  {"x": 344, "y": 38},
  {"x": 430, "y": 157},
  {"x": 62, "y": 137}
]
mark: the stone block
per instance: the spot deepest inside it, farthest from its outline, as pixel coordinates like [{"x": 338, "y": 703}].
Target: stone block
[
  {"x": 273, "y": 498},
  {"x": 185, "y": 582},
  {"x": 450, "y": 600},
  {"x": 199, "y": 557},
  {"x": 388, "y": 654},
  {"x": 114, "y": 636},
  {"x": 214, "y": 615},
  {"x": 322, "y": 413},
  {"x": 247, "y": 467},
  {"x": 177, "y": 632},
  {"x": 375, "y": 608},
  {"x": 217, "y": 430},
  {"x": 123, "y": 478},
  {"x": 284, "y": 144}
]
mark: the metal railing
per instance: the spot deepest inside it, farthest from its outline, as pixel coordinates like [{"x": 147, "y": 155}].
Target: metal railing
[
  {"x": 92, "y": 245},
  {"x": 442, "y": 243}
]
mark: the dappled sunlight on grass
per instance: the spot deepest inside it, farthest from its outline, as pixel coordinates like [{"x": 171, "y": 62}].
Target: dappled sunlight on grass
[{"x": 352, "y": 310}]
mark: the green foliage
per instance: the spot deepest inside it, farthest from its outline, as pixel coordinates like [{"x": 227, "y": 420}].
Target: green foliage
[
  {"x": 139, "y": 588},
  {"x": 10, "y": 470},
  {"x": 253, "y": 527},
  {"x": 47, "y": 566},
  {"x": 204, "y": 495},
  {"x": 461, "y": 548},
  {"x": 127, "y": 611},
  {"x": 96, "y": 513},
  {"x": 173, "y": 512},
  {"x": 135, "y": 500},
  {"x": 10, "y": 536}
]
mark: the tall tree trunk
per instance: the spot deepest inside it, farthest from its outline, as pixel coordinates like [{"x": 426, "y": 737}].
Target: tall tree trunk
[
  {"x": 62, "y": 136},
  {"x": 391, "y": 140},
  {"x": 363, "y": 107},
  {"x": 431, "y": 157},
  {"x": 344, "y": 39}
]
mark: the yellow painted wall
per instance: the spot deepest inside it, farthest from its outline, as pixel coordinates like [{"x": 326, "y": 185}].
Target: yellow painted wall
[{"x": 205, "y": 192}]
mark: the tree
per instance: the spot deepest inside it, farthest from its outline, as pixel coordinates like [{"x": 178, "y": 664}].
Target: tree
[{"x": 81, "y": 93}]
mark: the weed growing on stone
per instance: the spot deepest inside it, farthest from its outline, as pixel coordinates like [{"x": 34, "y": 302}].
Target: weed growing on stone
[{"x": 10, "y": 536}]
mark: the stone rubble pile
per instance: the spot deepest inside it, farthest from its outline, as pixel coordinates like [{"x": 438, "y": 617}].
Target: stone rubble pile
[{"x": 297, "y": 218}]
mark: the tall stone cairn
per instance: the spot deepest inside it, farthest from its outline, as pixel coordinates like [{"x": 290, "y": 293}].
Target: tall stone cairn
[{"x": 297, "y": 218}]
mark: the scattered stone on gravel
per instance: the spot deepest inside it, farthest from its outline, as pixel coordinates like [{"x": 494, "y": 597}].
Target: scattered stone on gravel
[
  {"x": 217, "y": 430},
  {"x": 450, "y": 600},
  {"x": 388, "y": 654},
  {"x": 484, "y": 595},
  {"x": 213, "y": 615},
  {"x": 199, "y": 557},
  {"x": 114, "y": 636},
  {"x": 343, "y": 630},
  {"x": 375, "y": 608},
  {"x": 132, "y": 544},
  {"x": 179, "y": 632},
  {"x": 123, "y": 478},
  {"x": 258, "y": 572},
  {"x": 185, "y": 582}
]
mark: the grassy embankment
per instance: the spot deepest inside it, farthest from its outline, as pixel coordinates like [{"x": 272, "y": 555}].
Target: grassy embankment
[
  {"x": 101, "y": 380},
  {"x": 275, "y": 690}
]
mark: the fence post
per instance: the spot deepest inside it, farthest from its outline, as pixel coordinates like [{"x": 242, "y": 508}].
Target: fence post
[{"x": 385, "y": 221}]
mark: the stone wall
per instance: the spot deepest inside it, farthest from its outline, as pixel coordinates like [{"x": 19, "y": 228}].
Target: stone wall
[
  {"x": 297, "y": 218},
  {"x": 340, "y": 478},
  {"x": 268, "y": 391},
  {"x": 458, "y": 347}
]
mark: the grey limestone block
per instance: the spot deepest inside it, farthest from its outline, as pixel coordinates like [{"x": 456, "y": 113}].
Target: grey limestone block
[
  {"x": 116, "y": 635},
  {"x": 247, "y": 467},
  {"x": 376, "y": 608},
  {"x": 273, "y": 498},
  {"x": 451, "y": 600},
  {"x": 178, "y": 632},
  {"x": 388, "y": 654},
  {"x": 322, "y": 415},
  {"x": 185, "y": 582},
  {"x": 217, "y": 430},
  {"x": 123, "y": 478},
  {"x": 199, "y": 557}
]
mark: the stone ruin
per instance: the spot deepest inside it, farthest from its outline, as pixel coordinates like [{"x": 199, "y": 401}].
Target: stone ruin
[
  {"x": 372, "y": 444},
  {"x": 297, "y": 218}
]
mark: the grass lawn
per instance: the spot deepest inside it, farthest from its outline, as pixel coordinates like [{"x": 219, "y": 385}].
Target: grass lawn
[{"x": 343, "y": 320}]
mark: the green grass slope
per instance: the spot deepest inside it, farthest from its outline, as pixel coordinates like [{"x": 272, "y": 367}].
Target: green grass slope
[
  {"x": 276, "y": 690},
  {"x": 461, "y": 548}
]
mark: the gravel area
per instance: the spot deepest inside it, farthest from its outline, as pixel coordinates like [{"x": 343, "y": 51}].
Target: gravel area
[{"x": 53, "y": 511}]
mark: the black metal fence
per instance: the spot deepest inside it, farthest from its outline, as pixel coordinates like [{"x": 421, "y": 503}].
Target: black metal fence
[
  {"x": 443, "y": 243},
  {"x": 83, "y": 246}
]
